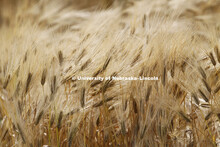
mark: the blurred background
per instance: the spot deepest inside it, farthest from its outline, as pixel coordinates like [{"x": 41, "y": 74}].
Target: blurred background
[
  {"x": 45, "y": 11},
  {"x": 9, "y": 8}
]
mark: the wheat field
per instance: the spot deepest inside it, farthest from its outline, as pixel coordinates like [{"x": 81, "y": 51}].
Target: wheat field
[{"x": 46, "y": 45}]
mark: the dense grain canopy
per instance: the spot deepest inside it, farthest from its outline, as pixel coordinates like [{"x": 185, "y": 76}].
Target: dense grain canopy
[{"x": 109, "y": 73}]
